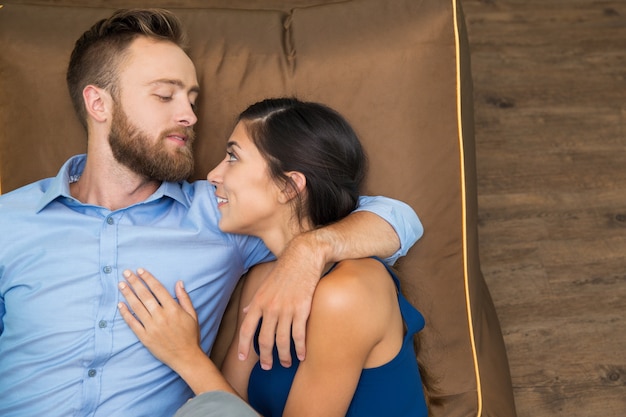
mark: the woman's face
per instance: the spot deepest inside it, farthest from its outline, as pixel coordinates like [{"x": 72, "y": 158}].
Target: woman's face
[{"x": 248, "y": 198}]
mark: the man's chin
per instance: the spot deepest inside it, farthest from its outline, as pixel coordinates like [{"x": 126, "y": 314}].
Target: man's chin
[
  {"x": 176, "y": 177},
  {"x": 166, "y": 171}
]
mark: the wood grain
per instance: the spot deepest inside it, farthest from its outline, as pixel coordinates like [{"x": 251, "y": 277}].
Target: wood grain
[{"x": 550, "y": 105}]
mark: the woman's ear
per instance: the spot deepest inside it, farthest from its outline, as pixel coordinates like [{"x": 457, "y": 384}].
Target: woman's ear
[
  {"x": 97, "y": 103},
  {"x": 298, "y": 180}
]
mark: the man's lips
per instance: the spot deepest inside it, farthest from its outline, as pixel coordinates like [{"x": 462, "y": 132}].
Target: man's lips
[{"x": 180, "y": 139}]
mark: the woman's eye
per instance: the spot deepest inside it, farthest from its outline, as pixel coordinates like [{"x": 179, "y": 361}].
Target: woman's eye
[
  {"x": 164, "y": 98},
  {"x": 230, "y": 156}
]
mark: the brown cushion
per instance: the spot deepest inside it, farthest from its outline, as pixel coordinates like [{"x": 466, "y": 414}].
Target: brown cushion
[{"x": 399, "y": 71}]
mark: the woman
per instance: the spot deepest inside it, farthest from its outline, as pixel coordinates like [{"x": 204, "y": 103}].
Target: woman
[{"x": 290, "y": 167}]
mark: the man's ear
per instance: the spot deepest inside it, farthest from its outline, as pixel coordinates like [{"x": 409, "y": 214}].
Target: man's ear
[
  {"x": 298, "y": 180},
  {"x": 98, "y": 103}
]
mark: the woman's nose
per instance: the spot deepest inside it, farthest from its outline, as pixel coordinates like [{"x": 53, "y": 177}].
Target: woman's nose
[{"x": 215, "y": 176}]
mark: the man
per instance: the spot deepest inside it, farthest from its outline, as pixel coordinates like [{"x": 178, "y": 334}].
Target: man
[{"x": 64, "y": 241}]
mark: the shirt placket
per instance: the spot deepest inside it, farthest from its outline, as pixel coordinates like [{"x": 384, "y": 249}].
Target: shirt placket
[{"x": 105, "y": 311}]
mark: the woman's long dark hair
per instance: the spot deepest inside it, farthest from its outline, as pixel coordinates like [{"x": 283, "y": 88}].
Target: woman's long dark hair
[{"x": 315, "y": 140}]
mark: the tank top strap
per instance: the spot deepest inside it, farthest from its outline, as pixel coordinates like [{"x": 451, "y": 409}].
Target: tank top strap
[{"x": 412, "y": 317}]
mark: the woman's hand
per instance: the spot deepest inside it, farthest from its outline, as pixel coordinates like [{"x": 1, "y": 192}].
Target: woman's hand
[{"x": 168, "y": 329}]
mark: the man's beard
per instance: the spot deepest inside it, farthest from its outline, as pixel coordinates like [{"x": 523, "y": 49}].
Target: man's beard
[{"x": 133, "y": 148}]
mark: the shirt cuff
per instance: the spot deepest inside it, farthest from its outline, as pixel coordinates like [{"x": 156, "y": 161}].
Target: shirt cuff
[{"x": 400, "y": 216}]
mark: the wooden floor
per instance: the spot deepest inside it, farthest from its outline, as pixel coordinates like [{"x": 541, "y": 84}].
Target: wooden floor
[{"x": 550, "y": 103}]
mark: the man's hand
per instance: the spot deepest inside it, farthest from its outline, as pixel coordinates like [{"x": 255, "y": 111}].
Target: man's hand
[
  {"x": 284, "y": 299},
  {"x": 284, "y": 302}
]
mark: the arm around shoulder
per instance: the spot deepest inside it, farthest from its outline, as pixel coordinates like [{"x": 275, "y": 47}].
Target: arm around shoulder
[
  {"x": 399, "y": 216},
  {"x": 381, "y": 227}
]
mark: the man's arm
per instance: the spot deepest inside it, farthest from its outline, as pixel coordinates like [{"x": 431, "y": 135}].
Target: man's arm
[
  {"x": 382, "y": 227},
  {"x": 400, "y": 217}
]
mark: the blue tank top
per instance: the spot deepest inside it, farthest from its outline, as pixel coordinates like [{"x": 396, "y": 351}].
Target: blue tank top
[{"x": 393, "y": 389}]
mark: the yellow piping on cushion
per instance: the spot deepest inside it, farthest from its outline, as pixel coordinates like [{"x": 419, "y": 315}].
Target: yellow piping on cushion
[{"x": 464, "y": 204}]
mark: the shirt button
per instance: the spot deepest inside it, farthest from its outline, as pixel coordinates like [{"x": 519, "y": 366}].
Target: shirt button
[
  {"x": 107, "y": 269},
  {"x": 102, "y": 324},
  {"x": 110, "y": 220},
  {"x": 92, "y": 373}
]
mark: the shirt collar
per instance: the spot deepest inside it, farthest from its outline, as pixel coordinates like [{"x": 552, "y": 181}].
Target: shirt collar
[
  {"x": 173, "y": 190},
  {"x": 72, "y": 170}
]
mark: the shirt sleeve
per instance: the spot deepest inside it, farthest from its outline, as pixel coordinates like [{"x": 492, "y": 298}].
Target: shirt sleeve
[
  {"x": 253, "y": 251},
  {"x": 400, "y": 216}
]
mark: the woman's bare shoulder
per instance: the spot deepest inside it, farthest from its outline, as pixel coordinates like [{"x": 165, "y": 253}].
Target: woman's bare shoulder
[
  {"x": 366, "y": 274},
  {"x": 360, "y": 286}
]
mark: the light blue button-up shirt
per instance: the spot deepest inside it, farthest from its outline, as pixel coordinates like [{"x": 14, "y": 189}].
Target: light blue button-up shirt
[{"x": 64, "y": 349}]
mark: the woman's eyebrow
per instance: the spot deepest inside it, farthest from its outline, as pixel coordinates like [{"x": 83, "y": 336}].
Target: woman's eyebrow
[{"x": 233, "y": 143}]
